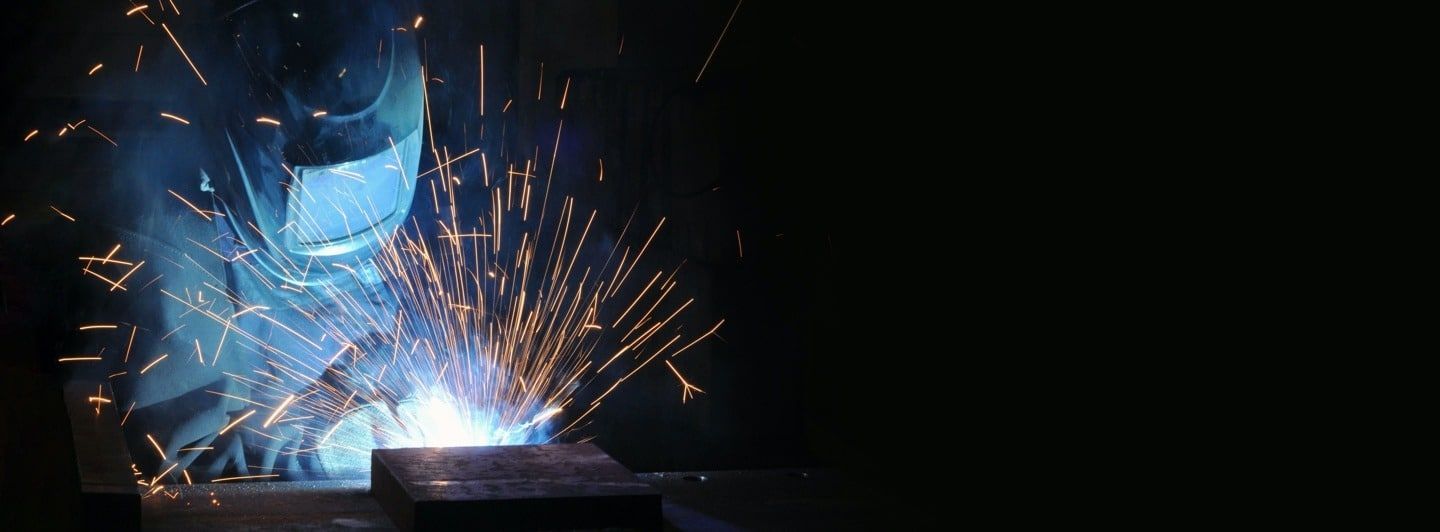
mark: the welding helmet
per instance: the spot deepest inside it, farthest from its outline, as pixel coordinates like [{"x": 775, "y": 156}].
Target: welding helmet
[{"x": 315, "y": 136}]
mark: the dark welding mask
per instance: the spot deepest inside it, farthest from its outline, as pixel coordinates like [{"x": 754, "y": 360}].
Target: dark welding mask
[{"x": 317, "y": 132}]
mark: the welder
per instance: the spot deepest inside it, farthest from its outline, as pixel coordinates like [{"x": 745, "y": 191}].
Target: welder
[{"x": 309, "y": 138}]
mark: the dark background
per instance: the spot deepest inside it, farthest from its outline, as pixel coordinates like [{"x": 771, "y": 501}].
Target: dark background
[{"x": 766, "y": 143}]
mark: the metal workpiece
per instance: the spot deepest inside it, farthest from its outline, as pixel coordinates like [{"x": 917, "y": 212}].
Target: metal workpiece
[
  {"x": 554, "y": 486},
  {"x": 109, "y": 496}
]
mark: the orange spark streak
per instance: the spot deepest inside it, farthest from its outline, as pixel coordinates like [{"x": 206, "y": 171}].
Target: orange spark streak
[
  {"x": 133, "y": 269},
  {"x": 191, "y": 205},
  {"x": 187, "y": 56},
  {"x": 103, "y": 136},
  {"x": 166, "y": 472},
  {"x": 566, "y": 94},
  {"x": 717, "y": 41},
  {"x": 267, "y": 120},
  {"x": 482, "y": 80},
  {"x": 127, "y": 413},
  {"x": 245, "y": 477},
  {"x": 131, "y": 343},
  {"x": 236, "y": 422},
  {"x": 7, "y": 219},
  {"x": 97, "y": 67},
  {"x": 31, "y": 135},
  {"x": 685, "y": 390},
  {"x": 97, "y": 326},
  {"x": 77, "y": 359},
  {"x": 697, "y": 340},
  {"x": 157, "y": 447},
  {"x": 448, "y": 163},
  {"x": 138, "y": 54},
  {"x": 106, "y": 279},
  {"x": 278, "y": 410},
  {"x": 153, "y": 363},
  {"x": 175, "y": 118},
  {"x": 137, "y": 9},
  {"x": 62, "y": 213}
]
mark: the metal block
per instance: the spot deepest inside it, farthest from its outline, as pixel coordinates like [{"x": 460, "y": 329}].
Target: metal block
[
  {"x": 515, "y": 487},
  {"x": 108, "y": 493}
]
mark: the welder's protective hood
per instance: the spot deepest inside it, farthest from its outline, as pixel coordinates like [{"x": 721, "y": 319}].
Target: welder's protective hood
[{"x": 320, "y": 135}]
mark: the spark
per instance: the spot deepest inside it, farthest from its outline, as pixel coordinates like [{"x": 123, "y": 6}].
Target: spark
[
  {"x": 717, "y": 41},
  {"x": 153, "y": 363},
  {"x": 137, "y": 9},
  {"x": 133, "y": 269},
  {"x": 158, "y": 450},
  {"x": 418, "y": 20},
  {"x": 226, "y": 479},
  {"x": 139, "y": 53},
  {"x": 62, "y": 213},
  {"x": 95, "y": 68},
  {"x": 131, "y": 343},
  {"x": 236, "y": 421},
  {"x": 319, "y": 114},
  {"x": 203, "y": 213},
  {"x": 686, "y": 390},
  {"x": 448, "y": 163},
  {"x": 482, "y": 80},
  {"x": 78, "y": 359},
  {"x": 739, "y": 243},
  {"x": 106, "y": 279},
  {"x": 697, "y": 340},
  {"x": 165, "y": 472},
  {"x": 278, "y": 410},
  {"x": 267, "y": 120},
  {"x": 507, "y": 105},
  {"x": 175, "y": 118},
  {"x": 31, "y": 135},
  {"x": 103, "y": 136},
  {"x": 127, "y": 413},
  {"x": 185, "y": 55},
  {"x": 7, "y": 219},
  {"x": 97, "y": 326},
  {"x": 566, "y": 94}
]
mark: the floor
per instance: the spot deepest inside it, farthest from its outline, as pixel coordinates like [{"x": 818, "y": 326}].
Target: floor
[{"x": 788, "y": 499}]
